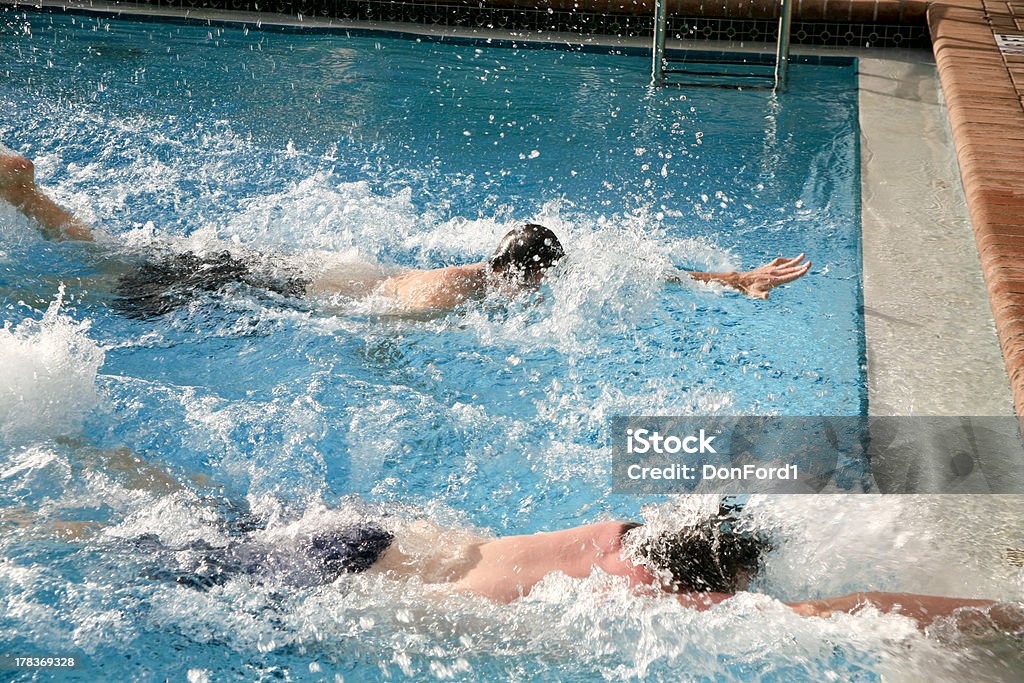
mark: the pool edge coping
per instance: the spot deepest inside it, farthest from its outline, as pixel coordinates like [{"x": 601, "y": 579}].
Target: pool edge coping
[
  {"x": 635, "y": 45},
  {"x": 984, "y": 92}
]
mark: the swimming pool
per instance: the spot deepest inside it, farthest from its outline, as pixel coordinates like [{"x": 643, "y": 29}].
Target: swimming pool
[{"x": 347, "y": 150}]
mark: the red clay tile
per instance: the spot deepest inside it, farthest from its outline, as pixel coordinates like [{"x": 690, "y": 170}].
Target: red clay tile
[
  {"x": 1010, "y": 327},
  {"x": 1007, "y": 286},
  {"x": 1014, "y": 344},
  {"x": 995, "y": 215},
  {"x": 1013, "y": 150},
  {"x": 1002, "y": 261},
  {"x": 984, "y": 91},
  {"x": 999, "y": 242},
  {"x": 987, "y": 234},
  {"x": 1007, "y": 198}
]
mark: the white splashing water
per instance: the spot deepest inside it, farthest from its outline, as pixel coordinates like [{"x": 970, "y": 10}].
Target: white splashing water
[{"x": 48, "y": 383}]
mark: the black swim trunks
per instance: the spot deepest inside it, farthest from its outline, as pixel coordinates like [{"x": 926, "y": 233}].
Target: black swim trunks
[
  {"x": 316, "y": 560},
  {"x": 161, "y": 285}
]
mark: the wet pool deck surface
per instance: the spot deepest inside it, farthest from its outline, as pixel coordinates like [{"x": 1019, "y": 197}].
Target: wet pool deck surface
[{"x": 984, "y": 92}]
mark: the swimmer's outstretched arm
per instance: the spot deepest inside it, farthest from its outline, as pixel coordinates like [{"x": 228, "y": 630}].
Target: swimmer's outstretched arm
[
  {"x": 924, "y": 609},
  {"x": 18, "y": 187},
  {"x": 757, "y": 282}
]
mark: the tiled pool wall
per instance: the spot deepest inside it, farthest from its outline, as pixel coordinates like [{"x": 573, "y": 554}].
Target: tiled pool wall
[{"x": 835, "y": 23}]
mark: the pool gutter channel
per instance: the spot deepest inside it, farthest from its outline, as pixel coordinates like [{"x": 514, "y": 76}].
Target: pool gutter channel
[{"x": 930, "y": 339}]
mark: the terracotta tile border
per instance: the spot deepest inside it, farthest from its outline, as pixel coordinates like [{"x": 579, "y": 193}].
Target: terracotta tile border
[{"x": 984, "y": 92}]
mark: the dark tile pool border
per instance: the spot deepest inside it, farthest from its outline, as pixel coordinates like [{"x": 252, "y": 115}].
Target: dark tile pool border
[
  {"x": 530, "y": 42},
  {"x": 822, "y": 28}
]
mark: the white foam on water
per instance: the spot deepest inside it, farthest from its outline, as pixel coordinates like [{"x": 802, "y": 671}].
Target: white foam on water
[
  {"x": 938, "y": 545},
  {"x": 273, "y": 476},
  {"x": 49, "y": 380},
  {"x": 319, "y": 213}
]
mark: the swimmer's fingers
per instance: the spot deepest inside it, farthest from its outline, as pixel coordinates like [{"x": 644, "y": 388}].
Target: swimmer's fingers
[
  {"x": 783, "y": 261},
  {"x": 789, "y": 267},
  {"x": 784, "y": 275}
]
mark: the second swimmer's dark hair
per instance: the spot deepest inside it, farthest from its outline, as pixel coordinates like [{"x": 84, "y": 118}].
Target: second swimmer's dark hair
[
  {"x": 714, "y": 555},
  {"x": 527, "y": 250}
]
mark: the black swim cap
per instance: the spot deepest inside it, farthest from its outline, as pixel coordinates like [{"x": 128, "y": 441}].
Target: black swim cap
[{"x": 527, "y": 250}]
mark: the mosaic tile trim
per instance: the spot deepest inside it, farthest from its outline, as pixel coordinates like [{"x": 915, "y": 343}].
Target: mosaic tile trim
[{"x": 698, "y": 28}]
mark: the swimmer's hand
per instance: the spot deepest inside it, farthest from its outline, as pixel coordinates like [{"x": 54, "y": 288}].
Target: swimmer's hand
[{"x": 758, "y": 282}]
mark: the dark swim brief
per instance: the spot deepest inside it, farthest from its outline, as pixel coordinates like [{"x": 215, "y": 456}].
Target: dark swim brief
[
  {"x": 161, "y": 285},
  {"x": 316, "y": 560}
]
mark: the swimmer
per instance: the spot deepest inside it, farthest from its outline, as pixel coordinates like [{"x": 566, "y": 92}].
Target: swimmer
[
  {"x": 522, "y": 258},
  {"x": 700, "y": 565}
]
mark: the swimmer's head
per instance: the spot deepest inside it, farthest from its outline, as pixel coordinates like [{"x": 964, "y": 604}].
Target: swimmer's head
[
  {"x": 709, "y": 557},
  {"x": 525, "y": 253}
]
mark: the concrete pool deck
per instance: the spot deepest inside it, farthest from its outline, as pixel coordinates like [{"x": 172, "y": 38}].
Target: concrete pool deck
[{"x": 929, "y": 334}]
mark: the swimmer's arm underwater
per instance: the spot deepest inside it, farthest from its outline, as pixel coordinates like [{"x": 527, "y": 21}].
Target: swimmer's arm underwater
[
  {"x": 755, "y": 283},
  {"x": 18, "y": 186}
]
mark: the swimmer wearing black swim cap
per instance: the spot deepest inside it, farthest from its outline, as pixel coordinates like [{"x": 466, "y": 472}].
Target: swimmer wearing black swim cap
[{"x": 523, "y": 258}]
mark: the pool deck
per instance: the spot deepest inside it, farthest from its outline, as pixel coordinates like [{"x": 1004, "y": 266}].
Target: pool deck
[
  {"x": 929, "y": 334},
  {"x": 984, "y": 91}
]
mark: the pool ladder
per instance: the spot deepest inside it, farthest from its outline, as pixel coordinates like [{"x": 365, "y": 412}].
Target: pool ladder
[{"x": 662, "y": 65}]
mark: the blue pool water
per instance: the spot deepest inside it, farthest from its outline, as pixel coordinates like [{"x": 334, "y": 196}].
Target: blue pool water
[{"x": 343, "y": 151}]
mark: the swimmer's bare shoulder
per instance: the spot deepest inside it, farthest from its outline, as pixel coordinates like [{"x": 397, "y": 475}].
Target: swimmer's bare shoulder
[{"x": 439, "y": 288}]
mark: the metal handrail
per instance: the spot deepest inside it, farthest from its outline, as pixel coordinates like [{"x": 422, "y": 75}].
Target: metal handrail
[
  {"x": 660, "y": 27},
  {"x": 658, "y": 60},
  {"x": 782, "y": 49}
]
